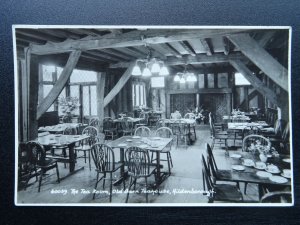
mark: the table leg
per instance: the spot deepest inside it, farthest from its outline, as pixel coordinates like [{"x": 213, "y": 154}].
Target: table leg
[
  {"x": 72, "y": 158},
  {"x": 122, "y": 169}
]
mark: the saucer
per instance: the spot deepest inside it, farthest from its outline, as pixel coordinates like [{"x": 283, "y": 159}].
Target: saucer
[
  {"x": 282, "y": 174},
  {"x": 278, "y": 179},
  {"x": 263, "y": 167},
  {"x": 122, "y": 145},
  {"x": 136, "y": 137},
  {"x": 129, "y": 140},
  {"x": 235, "y": 156},
  {"x": 238, "y": 167},
  {"x": 248, "y": 162},
  {"x": 263, "y": 174}
]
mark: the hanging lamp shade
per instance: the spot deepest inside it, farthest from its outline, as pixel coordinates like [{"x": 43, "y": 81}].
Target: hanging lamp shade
[
  {"x": 176, "y": 78},
  {"x": 164, "y": 71},
  {"x": 155, "y": 67},
  {"x": 136, "y": 71},
  {"x": 182, "y": 80},
  {"x": 146, "y": 72}
]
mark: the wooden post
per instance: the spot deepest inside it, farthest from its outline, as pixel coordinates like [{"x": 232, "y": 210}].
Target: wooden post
[
  {"x": 100, "y": 98},
  {"x": 61, "y": 82},
  {"x": 246, "y": 93}
]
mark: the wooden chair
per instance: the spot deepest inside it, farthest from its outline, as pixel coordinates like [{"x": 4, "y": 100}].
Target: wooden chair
[
  {"x": 39, "y": 160},
  {"x": 26, "y": 170},
  {"x": 181, "y": 131},
  {"x": 165, "y": 132},
  {"x": 277, "y": 197},
  {"x": 219, "y": 138},
  {"x": 221, "y": 192},
  {"x": 144, "y": 121},
  {"x": 142, "y": 131},
  {"x": 281, "y": 143},
  {"x": 217, "y": 174},
  {"x": 127, "y": 126},
  {"x": 86, "y": 145},
  {"x": 139, "y": 166},
  {"x": 191, "y": 116},
  {"x": 109, "y": 128},
  {"x": 95, "y": 122},
  {"x": 105, "y": 163}
]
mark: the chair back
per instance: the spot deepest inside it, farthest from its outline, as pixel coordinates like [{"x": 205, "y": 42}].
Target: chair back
[
  {"x": 189, "y": 116},
  {"x": 179, "y": 127},
  {"x": 127, "y": 124},
  {"x": 103, "y": 157},
  {"x": 286, "y": 133},
  {"x": 142, "y": 131},
  {"x": 36, "y": 153},
  {"x": 66, "y": 119},
  {"x": 108, "y": 124},
  {"x": 207, "y": 181},
  {"x": 93, "y": 133},
  {"x": 70, "y": 131},
  {"x": 277, "y": 197},
  {"x": 176, "y": 115},
  {"x": 95, "y": 122},
  {"x": 253, "y": 140},
  {"x": 137, "y": 161},
  {"x": 164, "y": 132},
  {"x": 211, "y": 160}
]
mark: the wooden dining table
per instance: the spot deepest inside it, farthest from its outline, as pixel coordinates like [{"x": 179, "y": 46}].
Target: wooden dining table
[
  {"x": 68, "y": 141},
  {"x": 59, "y": 128},
  {"x": 243, "y": 125},
  {"x": 249, "y": 174},
  {"x": 154, "y": 144}
]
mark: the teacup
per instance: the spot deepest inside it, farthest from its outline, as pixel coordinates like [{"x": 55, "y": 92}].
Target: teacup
[
  {"x": 273, "y": 168},
  {"x": 287, "y": 172},
  {"x": 248, "y": 162},
  {"x": 260, "y": 165}
]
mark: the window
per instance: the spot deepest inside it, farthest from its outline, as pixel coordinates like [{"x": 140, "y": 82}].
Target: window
[
  {"x": 89, "y": 101},
  {"x": 138, "y": 94},
  {"x": 240, "y": 79}
]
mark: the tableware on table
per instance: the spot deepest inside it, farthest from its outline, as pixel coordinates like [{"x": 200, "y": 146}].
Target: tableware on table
[
  {"x": 129, "y": 140},
  {"x": 263, "y": 174},
  {"x": 248, "y": 162},
  {"x": 260, "y": 165},
  {"x": 136, "y": 137},
  {"x": 122, "y": 145},
  {"x": 286, "y": 173},
  {"x": 235, "y": 156},
  {"x": 287, "y": 160},
  {"x": 156, "y": 138},
  {"x": 143, "y": 146},
  {"x": 77, "y": 136},
  {"x": 278, "y": 179},
  {"x": 272, "y": 169},
  {"x": 238, "y": 167}
]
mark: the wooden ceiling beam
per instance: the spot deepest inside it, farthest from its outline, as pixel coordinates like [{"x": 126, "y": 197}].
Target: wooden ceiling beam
[
  {"x": 116, "y": 53},
  {"x": 38, "y": 35},
  {"x": 188, "y": 59},
  {"x": 133, "y": 38},
  {"x": 263, "y": 41},
  {"x": 62, "y": 33},
  {"x": 256, "y": 82},
  {"x": 262, "y": 59},
  {"x": 226, "y": 44},
  {"x": 207, "y": 46},
  {"x": 170, "y": 49},
  {"x": 187, "y": 48},
  {"x": 60, "y": 84},
  {"x": 196, "y": 45}
]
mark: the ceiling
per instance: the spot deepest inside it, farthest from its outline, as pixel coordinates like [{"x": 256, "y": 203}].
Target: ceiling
[{"x": 274, "y": 41}]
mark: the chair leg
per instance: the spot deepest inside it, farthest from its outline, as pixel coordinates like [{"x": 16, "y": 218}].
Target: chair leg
[
  {"x": 168, "y": 160},
  {"x": 110, "y": 187},
  {"x": 245, "y": 188},
  {"x": 57, "y": 173},
  {"x": 40, "y": 181},
  {"x": 104, "y": 180},
  {"x": 129, "y": 189},
  {"x": 146, "y": 189},
  {"x": 84, "y": 156},
  {"x": 90, "y": 160}
]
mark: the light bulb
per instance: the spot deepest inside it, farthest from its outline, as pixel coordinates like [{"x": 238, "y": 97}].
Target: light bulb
[
  {"x": 176, "y": 78},
  {"x": 136, "y": 71},
  {"x": 164, "y": 71},
  {"x": 189, "y": 78},
  {"x": 146, "y": 72},
  {"x": 194, "y": 78}
]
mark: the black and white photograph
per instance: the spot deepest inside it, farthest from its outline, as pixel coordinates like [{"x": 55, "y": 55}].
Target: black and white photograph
[{"x": 153, "y": 115}]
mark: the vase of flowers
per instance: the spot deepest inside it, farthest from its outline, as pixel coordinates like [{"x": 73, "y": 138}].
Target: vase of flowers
[{"x": 68, "y": 107}]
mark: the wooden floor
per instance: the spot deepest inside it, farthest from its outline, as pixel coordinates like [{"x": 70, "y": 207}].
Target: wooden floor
[{"x": 186, "y": 177}]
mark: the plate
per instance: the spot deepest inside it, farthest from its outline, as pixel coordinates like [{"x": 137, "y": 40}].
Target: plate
[
  {"x": 287, "y": 160},
  {"x": 260, "y": 166},
  {"x": 238, "y": 167},
  {"x": 235, "y": 156},
  {"x": 136, "y": 137},
  {"x": 129, "y": 140},
  {"x": 248, "y": 162},
  {"x": 156, "y": 138},
  {"x": 278, "y": 179},
  {"x": 263, "y": 174},
  {"x": 274, "y": 171},
  {"x": 122, "y": 145},
  {"x": 282, "y": 174},
  {"x": 143, "y": 146}
]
